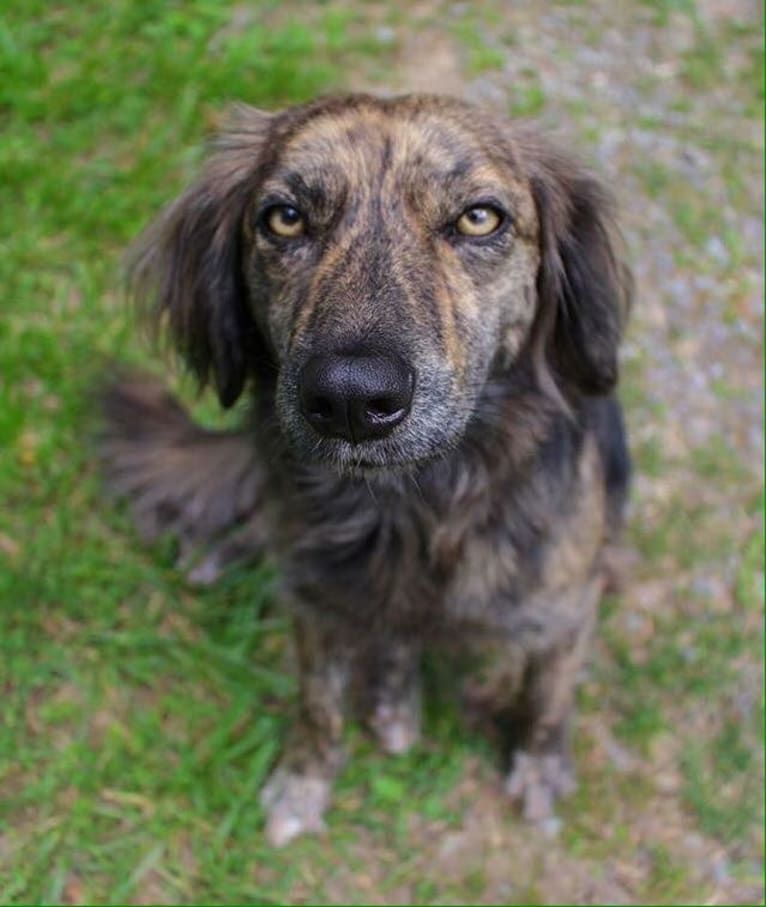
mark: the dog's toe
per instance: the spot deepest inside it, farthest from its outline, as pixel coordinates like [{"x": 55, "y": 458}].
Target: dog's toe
[
  {"x": 295, "y": 805},
  {"x": 396, "y": 728},
  {"x": 537, "y": 781}
]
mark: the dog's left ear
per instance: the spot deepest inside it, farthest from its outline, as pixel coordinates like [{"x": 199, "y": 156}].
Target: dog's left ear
[
  {"x": 186, "y": 269},
  {"x": 584, "y": 287}
]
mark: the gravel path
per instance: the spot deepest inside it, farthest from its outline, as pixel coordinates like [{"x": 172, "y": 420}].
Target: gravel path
[{"x": 665, "y": 100}]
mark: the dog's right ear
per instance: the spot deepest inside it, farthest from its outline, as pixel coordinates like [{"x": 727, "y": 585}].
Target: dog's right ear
[{"x": 186, "y": 269}]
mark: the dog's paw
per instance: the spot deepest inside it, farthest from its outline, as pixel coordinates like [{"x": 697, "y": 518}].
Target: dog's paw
[
  {"x": 396, "y": 727},
  {"x": 294, "y": 804},
  {"x": 537, "y": 781}
]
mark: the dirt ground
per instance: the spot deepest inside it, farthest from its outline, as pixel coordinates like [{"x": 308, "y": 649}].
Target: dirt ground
[{"x": 664, "y": 102}]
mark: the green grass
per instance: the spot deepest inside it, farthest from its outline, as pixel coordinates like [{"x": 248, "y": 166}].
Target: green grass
[
  {"x": 686, "y": 533},
  {"x": 482, "y": 55},
  {"x": 702, "y": 64},
  {"x": 528, "y": 96},
  {"x": 716, "y": 460},
  {"x": 668, "y": 879},
  {"x": 721, "y": 784},
  {"x": 663, "y": 10},
  {"x": 138, "y": 718}
]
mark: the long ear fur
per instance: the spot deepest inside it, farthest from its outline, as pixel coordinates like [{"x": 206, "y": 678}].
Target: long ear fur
[
  {"x": 584, "y": 287},
  {"x": 186, "y": 268}
]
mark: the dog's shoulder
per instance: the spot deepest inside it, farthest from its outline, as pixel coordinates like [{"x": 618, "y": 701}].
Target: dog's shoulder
[{"x": 540, "y": 522}]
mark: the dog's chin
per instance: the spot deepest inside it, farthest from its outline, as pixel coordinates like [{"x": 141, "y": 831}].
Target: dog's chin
[
  {"x": 364, "y": 461},
  {"x": 380, "y": 459}
]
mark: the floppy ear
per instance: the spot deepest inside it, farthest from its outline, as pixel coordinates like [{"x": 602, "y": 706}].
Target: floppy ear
[
  {"x": 583, "y": 286},
  {"x": 186, "y": 268}
]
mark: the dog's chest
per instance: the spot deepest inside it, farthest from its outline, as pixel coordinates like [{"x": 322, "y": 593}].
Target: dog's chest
[
  {"x": 405, "y": 558},
  {"x": 464, "y": 555}
]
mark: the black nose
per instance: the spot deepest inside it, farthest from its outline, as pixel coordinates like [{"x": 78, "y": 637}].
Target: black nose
[{"x": 356, "y": 397}]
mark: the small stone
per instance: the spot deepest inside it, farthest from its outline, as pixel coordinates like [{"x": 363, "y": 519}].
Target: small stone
[
  {"x": 452, "y": 844},
  {"x": 694, "y": 841},
  {"x": 621, "y": 759},
  {"x": 551, "y": 826},
  {"x": 384, "y": 34},
  {"x": 719, "y": 870},
  {"x": 667, "y": 782}
]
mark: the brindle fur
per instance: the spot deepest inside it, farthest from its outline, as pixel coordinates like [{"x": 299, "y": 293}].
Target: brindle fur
[{"x": 483, "y": 517}]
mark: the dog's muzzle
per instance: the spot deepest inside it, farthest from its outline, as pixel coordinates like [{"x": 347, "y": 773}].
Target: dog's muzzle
[{"x": 356, "y": 397}]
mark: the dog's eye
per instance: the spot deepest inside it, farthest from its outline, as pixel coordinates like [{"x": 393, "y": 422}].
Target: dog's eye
[
  {"x": 481, "y": 220},
  {"x": 285, "y": 221}
]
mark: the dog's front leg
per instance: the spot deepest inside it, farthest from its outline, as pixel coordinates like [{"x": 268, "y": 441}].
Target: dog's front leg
[
  {"x": 393, "y": 694},
  {"x": 297, "y": 794},
  {"x": 541, "y": 767}
]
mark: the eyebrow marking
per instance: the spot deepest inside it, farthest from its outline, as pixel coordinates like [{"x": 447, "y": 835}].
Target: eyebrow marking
[
  {"x": 460, "y": 170},
  {"x": 313, "y": 193}
]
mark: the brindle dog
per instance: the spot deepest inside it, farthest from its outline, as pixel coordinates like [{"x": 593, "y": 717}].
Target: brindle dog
[{"x": 426, "y": 302}]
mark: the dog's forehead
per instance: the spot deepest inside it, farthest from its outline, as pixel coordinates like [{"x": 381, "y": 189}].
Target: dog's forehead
[{"x": 360, "y": 145}]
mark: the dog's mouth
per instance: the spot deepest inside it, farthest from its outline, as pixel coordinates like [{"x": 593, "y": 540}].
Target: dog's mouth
[
  {"x": 427, "y": 425},
  {"x": 366, "y": 459},
  {"x": 373, "y": 460}
]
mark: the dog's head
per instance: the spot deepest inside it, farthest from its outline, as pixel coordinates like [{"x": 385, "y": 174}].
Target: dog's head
[{"x": 383, "y": 258}]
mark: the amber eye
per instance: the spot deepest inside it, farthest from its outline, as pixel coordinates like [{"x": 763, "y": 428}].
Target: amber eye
[
  {"x": 285, "y": 221},
  {"x": 481, "y": 220}
]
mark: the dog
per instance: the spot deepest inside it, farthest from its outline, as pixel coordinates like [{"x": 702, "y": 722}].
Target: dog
[{"x": 422, "y": 303}]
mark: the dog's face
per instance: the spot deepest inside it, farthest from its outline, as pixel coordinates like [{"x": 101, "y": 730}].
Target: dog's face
[
  {"x": 386, "y": 256},
  {"x": 391, "y": 254}
]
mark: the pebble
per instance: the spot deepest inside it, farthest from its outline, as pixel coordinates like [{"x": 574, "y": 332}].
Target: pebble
[
  {"x": 384, "y": 34},
  {"x": 719, "y": 870},
  {"x": 551, "y": 827},
  {"x": 667, "y": 782}
]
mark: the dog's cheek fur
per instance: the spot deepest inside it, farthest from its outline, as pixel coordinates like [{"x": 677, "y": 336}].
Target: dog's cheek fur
[
  {"x": 277, "y": 288},
  {"x": 506, "y": 304}
]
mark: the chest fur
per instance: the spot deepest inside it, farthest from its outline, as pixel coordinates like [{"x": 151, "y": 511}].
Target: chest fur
[{"x": 455, "y": 549}]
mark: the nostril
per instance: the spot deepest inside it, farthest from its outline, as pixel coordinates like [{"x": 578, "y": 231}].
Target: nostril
[
  {"x": 382, "y": 407},
  {"x": 320, "y": 408}
]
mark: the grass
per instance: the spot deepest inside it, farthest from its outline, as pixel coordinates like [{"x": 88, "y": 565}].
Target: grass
[
  {"x": 482, "y": 55},
  {"x": 138, "y": 718},
  {"x": 528, "y": 96},
  {"x": 663, "y": 10},
  {"x": 702, "y": 64}
]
